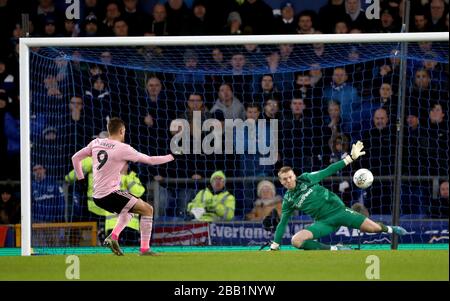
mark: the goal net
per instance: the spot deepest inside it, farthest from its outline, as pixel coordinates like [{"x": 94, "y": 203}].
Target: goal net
[{"x": 302, "y": 105}]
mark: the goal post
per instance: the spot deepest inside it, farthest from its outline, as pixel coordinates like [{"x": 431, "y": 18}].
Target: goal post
[{"x": 26, "y": 44}]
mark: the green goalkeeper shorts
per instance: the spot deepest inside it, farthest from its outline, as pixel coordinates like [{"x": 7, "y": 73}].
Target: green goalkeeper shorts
[{"x": 344, "y": 217}]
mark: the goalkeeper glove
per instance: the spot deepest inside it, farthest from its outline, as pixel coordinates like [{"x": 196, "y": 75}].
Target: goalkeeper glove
[
  {"x": 274, "y": 246},
  {"x": 355, "y": 153}
]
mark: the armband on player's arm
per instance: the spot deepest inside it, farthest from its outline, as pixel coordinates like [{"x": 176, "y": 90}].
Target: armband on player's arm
[{"x": 355, "y": 153}]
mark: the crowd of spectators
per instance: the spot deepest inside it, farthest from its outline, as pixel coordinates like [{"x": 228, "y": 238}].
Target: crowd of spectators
[{"x": 320, "y": 109}]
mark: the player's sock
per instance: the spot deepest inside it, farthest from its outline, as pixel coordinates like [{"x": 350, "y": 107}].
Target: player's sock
[
  {"x": 314, "y": 245},
  {"x": 122, "y": 222},
  {"x": 385, "y": 228},
  {"x": 146, "y": 231}
]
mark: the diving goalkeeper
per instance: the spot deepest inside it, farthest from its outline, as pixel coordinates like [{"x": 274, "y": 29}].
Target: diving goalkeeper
[{"x": 329, "y": 212}]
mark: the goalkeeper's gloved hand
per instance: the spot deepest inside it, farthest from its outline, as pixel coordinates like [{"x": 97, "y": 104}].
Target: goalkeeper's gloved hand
[
  {"x": 274, "y": 246},
  {"x": 355, "y": 153}
]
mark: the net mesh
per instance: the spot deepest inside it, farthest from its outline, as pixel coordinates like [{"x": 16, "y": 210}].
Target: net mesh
[{"x": 323, "y": 96}]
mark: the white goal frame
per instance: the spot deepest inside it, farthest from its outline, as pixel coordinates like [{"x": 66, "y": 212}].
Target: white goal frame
[{"x": 24, "y": 61}]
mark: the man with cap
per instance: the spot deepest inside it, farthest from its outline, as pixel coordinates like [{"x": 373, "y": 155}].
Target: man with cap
[
  {"x": 90, "y": 28},
  {"x": 214, "y": 203}
]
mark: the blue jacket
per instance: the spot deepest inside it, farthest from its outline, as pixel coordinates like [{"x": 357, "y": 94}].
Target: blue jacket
[{"x": 47, "y": 201}]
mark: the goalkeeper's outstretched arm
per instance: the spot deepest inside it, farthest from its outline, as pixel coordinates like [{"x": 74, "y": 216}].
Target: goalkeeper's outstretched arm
[{"x": 355, "y": 153}]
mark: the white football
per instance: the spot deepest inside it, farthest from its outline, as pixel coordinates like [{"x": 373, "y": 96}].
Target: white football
[{"x": 363, "y": 178}]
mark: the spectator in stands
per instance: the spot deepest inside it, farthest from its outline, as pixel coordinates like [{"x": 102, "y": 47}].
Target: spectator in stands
[
  {"x": 443, "y": 195},
  {"x": 267, "y": 200},
  {"x": 250, "y": 162},
  {"x": 7, "y": 82},
  {"x": 120, "y": 27},
  {"x": 297, "y": 136},
  {"x": 438, "y": 208},
  {"x": 3, "y": 142},
  {"x": 286, "y": 23},
  {"x": 286, "y": 51},
  {"x": 106, "y": 57},
  {"x": 231, "y": 107},
  {"x": 309, "y": 86},
  {"x": 437, "y": 145},
  {"x": 159, "y": 25},
  {"x": 420, "y": 22},
  {"x": 389, "y": 70},
  {"x": 266, "y": 89},
  {"x": 317, "y": 77},
  {"x": 234, "y": 24},
  {"x": 191, "y": 76},
  {"x": 214, "y": 203},
  {"x": 383, "y": 101},
  {"x": 195, "y": 103},
  {"x": 329, "y": 14},
  {"x": 388, "y": 22},
  {"x": 348, "y": 97},
  {"x": 439, "y": 78},
  {"x": 305, "y": 23},
  {"x": 422, "y": 92},
  {"x": 98, "y": 103},
  {"x": 339, "y": 146},
  {"x": 177, "y": 16},
  {"x": 415, "y": 145},
  {"x": 217, "y": 61},
  {"x": 437, "y": 17},
  {"x": 333, "y": 120},
  {"x": 380, "y": 142},
  {"x": 47, "y": 197},
  {"x": 253, "y": 55},
  {"x": 52, "y": 86},
  {"x": 9, "y": 137},
  {"x": 273, "y": 61},
  {"x": 258, "y": 15},
  {"x": 10, "y": 206},
  {"x": 70, "y": 28},
  {"x": 92, "y": 7},
  {"x": 357, "y": 17},
  {"x": 271, "y": 109},
  {"x": 112, "y": 13},
  {"x": 341, "y": 27},
  {"x": 199, "y": 22},
  {"x": 45, "y": 10},
  {"x": 237, "y": 63},
  {"x": 133, "y": 17}
]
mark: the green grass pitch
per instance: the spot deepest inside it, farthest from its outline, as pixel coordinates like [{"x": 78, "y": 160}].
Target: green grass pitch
[{"x": 234, "y": 265}]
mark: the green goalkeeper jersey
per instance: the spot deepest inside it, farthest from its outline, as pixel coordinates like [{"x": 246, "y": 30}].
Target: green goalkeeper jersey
[{"x": 310, "y": 197}]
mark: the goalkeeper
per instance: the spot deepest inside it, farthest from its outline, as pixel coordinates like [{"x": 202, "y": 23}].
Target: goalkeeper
[{"x": 329, "y": 212}]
